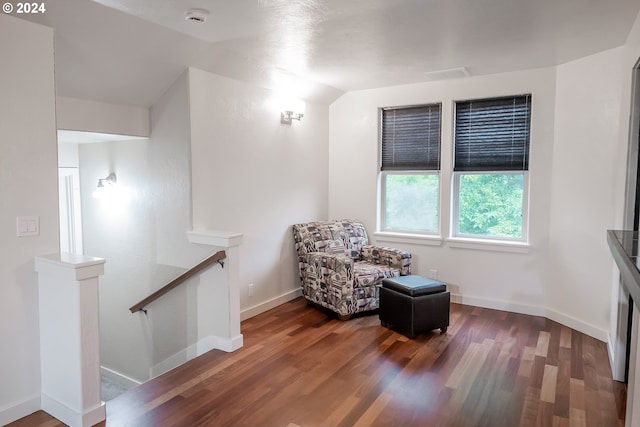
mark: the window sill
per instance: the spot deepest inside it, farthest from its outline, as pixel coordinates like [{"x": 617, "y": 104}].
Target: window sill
[
  {"x": 454, "y": 242},
  {"x": 407, "y": 238},
  {"x": 489, "y": 245}
]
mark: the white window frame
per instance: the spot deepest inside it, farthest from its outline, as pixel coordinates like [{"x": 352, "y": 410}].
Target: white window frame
[
  {"x": 382, "y": 232},
  {"x": 455, "y": 235}
]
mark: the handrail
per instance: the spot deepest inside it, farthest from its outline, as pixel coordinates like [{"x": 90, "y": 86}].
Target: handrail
[{"x": 217, "y": 257}]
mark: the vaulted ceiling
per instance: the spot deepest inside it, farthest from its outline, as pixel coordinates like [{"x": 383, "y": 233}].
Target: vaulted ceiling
[{"x": 130, "y": 51}]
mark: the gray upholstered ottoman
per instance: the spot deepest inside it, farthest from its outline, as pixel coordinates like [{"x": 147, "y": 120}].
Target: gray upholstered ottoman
[{"x": 413, "y": 305}]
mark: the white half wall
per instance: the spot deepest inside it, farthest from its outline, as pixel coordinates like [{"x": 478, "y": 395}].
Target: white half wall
[
  {"x": 28, "y": 185},
  {"x": 253, "y": 175}
]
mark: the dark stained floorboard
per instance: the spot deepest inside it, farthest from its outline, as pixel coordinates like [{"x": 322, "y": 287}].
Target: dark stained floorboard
[{"x": 302, "y": 367}]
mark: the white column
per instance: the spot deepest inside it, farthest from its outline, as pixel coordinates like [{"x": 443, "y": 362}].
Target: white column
[
  {"x": 69, "y": 338},
  {"x": 219, "y": 294}
]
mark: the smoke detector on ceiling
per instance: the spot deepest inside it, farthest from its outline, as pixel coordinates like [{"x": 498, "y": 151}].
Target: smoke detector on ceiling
[{"x": 196, "y": 15}]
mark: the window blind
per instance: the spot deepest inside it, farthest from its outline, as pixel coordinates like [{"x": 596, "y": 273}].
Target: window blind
[
  {"x": 493, "y": 134},
  {"x": 410, "y": 138}
]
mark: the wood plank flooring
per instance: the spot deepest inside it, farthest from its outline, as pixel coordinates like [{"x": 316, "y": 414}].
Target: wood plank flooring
[{"x": 301, "y": 367}]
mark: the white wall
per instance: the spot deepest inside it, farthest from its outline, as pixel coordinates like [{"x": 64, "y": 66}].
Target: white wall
[
  {"x": 122, "y": 236},
  {"x": 144, "y": 240},
  {"x": 253, "y": 175},
  {"x": 91, "y": 116},
  {"x": 588, "y": 159},
  {"x": 571, "y": 206},
  {"x": 68, "y": 155},
  {"x": 28, "y": 185}
]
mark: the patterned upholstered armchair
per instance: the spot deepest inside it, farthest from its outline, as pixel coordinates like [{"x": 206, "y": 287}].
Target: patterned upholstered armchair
[{"x": 340, "y": 270}]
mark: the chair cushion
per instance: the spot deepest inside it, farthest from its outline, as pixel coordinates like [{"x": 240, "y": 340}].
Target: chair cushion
[
  {"x": 414, "y": 285},
  {"x": 367, "y": 274}
]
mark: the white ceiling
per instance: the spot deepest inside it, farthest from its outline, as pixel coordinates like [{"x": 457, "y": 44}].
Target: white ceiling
[{"x": 130, "y": 51}]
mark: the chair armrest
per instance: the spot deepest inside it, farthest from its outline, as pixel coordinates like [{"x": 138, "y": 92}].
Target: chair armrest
[
  {"x": 392, "y": 257},
  {"x": 329, "y": 271},
  {"x": 328, "y": 261},
  {"x": 327, "y": 279}
]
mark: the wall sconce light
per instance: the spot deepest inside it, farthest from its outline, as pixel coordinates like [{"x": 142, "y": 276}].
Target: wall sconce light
[
  {"x": 287, "y": 116},
  {"x": 105, "y": 185},
  {"x": 291, "y": 109}
]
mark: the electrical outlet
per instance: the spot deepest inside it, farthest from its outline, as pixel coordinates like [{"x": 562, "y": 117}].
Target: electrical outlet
[
  {"x": 250, "y": 289},
  {"x": 433, "y": 274}
]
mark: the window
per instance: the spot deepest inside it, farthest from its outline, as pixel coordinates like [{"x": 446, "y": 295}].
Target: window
[
  {"x": 491, "y": 161},
  {"x": 410, "y": 165}
]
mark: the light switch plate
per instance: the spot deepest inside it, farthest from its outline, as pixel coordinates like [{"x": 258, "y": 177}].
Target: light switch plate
[{"x": 28, "y": 226}]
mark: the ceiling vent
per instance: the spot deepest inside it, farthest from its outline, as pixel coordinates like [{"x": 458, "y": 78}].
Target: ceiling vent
[
  {"x": 196, "y": 15},
  {"x": 452, "y": 73}
]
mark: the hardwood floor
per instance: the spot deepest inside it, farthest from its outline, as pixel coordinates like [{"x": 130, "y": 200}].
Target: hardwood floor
[{"x": 301, "y": 367}]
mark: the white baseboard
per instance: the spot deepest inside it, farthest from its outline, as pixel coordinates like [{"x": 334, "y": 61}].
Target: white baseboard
[
  {"x": 17, "y": 410},
  {"x": 578, "y": 325},
  {"x": 534, "y": 310},
  {"x": 529, "y": 309},
  {"x": 231, "y": 344},
  {"x": 119, "y": 378},
  {"x": 498, "y": 305},
  {"x": 174, "y": 361},
  {"x": 219, "y": 343},
  {"x": 194, "y": 350},
  {"x": 62, "y": 412},
  {"x": 269, "y": 304}
]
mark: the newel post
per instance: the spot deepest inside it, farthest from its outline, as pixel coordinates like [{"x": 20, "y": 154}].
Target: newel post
[
  {"x": 219, "y": 294},
  {"x": 69, "y": 338}
]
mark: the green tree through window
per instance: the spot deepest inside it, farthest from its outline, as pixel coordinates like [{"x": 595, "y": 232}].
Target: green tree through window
[{"x": 491, "y": 204}]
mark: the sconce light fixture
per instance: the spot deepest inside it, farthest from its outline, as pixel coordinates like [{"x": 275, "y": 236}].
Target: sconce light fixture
[
  {"x": 287, "y": 116},
  {"x": 291, "y": 109},
  {"x": 105, "y": 185}
]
